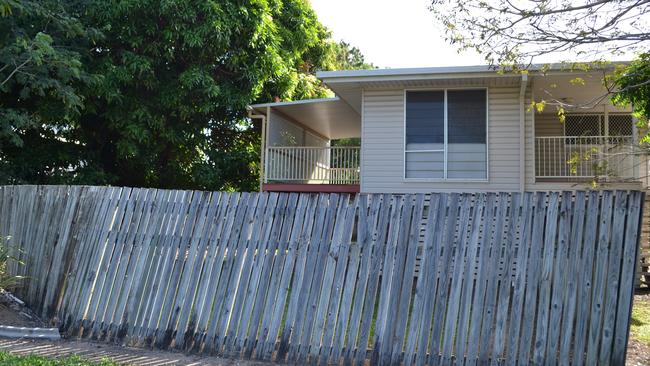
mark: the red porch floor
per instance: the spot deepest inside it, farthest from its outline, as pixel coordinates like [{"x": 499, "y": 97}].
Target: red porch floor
[{"x": 317, "y": 188}]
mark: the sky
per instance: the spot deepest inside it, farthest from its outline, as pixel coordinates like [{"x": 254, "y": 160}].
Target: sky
[
  {"x": 402, "y": 33},
  {"x": 392, "y": 33}
]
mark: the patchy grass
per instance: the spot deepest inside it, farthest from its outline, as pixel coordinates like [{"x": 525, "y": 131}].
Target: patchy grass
[
  {"x": 640, "y": 323},
  {"x": 7, "y": 359}
]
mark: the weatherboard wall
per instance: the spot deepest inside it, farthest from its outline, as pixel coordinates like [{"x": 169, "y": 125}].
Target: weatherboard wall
[
  {"x": 382, "y": 163},
  {"x": 285, "y": 132},
  {"x": 383, "y": 145}
]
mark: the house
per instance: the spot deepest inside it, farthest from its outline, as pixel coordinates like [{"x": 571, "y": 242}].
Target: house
[{"x": 450, "y": 129}]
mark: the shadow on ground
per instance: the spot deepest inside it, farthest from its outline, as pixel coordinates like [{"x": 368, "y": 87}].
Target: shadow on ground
[{"x": 121, "y": 355}]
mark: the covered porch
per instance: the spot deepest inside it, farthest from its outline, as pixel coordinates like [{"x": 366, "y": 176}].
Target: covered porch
[
  {"x": 310, "y": 146},
  {"x": 596, "y": 141},
  {"x": 586, "y": 146}
]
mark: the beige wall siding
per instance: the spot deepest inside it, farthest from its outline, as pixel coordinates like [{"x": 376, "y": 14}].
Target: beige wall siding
[
  {"x": 548, "y": 124},
  {"x": 382, "y": 167},
  {"x": 529, "y": 140},
  {"x": 383, "y": 145},
  {"x": 573, "y": 186},
  {"x": 284, "y": 132}
]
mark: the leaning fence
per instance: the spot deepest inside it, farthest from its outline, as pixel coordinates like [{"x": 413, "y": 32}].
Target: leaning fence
[{"x": 510, "y": 278}]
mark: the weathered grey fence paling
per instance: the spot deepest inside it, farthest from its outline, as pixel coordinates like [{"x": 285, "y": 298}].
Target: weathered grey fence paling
[{"x": 509, "y": 278}]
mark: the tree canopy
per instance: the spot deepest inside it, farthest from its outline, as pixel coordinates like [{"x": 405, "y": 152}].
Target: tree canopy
[
  {"x": 517, "y": 33},
  {"x": 40, "y": 73},
  {"x": 514, "y": 35},
  {"x": 633, "y": 88},
  {"x": 151, "y": 93}
]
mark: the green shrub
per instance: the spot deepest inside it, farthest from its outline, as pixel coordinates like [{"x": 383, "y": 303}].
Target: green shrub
[{"x": 8, "y": 281}]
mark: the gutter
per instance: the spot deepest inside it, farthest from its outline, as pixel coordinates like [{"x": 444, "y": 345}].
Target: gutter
[
  {"x": 451, "y": 71},
  {"x": 522, "y": 132},
  {"x": 262, "y": 144},
  {"x": 51, "y": 334}
]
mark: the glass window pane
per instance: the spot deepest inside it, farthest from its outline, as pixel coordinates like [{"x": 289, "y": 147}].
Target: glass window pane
[
  {"x": 466, "y": 116},
  {"x": 425, "y": 124},
  {"x": 466, "y": 125},
  {"x": 467, "y": 161},
  {"x": 425, "y": 165}
]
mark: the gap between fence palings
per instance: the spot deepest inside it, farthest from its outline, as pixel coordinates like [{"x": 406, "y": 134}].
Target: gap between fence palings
[{"x": 543, "y": 277}]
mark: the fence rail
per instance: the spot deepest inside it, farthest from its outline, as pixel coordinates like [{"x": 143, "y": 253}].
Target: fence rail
[
  {"x": 585, "y": 157},
  {"x": 304, "y": 164},
  {"x": 532, "y": 278}
]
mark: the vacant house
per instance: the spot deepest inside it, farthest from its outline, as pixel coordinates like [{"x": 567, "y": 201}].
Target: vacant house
[{"x": 449, "y": 129}]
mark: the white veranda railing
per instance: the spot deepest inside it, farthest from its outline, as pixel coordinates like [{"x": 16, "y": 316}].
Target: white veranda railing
[
  {"x": 583, "y": 157},
  {"x": 315, "y": 165}
]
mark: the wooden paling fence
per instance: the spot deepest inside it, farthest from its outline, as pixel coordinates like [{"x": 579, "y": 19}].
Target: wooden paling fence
[
  {"x": 508, "y": 278},
  {"x": 643, "y": 272}
]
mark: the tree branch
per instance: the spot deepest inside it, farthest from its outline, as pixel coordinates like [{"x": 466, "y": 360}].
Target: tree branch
[{"x": 16, "y": 70}]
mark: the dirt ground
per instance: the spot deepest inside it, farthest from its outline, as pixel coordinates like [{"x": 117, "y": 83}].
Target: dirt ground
[
  {"x": 638, "y": 353},
  {"x": 15, "y": 313},
  {"x": 638, "y": 349},
  {"x": 122, "y": 355}
]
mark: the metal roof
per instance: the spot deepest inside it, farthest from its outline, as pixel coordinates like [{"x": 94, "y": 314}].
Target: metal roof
[
  {"x": 340, "y": 117},
  {"x": 330, "y": 117},
  {"x": 443, "y": 70},
  {"x": 294, "y": 102},
  {"x": 405, "y": 71}
]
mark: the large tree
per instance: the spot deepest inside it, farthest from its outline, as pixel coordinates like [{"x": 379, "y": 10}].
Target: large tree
[
  {"x": 632, "y": 87},
  {"x": 40, "y": 76},
  {"x": 174, "y": 78}
]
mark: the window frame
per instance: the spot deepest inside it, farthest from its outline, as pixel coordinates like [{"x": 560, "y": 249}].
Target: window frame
[{"x": 446, "y": 137}]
